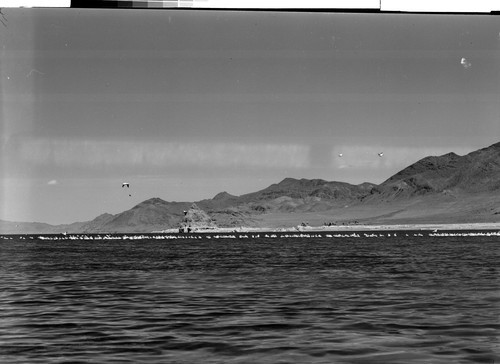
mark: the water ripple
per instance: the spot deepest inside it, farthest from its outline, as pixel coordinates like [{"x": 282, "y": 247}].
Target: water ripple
[{"x": 295, "y": 300}]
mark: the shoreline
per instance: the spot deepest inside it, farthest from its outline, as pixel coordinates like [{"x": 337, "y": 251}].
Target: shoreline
[
  {"x": 340, "y": 228},
  {"x": 495, "y": 226}
]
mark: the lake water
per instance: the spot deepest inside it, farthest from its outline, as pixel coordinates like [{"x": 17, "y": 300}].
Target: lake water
[{"x": 405, "y": 297}]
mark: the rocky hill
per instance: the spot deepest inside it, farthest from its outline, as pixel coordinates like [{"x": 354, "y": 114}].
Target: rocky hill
[
  {"x": 289, "y": 195},
  {"x": 195, "y": 218},
  {"x": 149, "y": 215},
  {"x": 475, "y": 172},
  {"x": 304, "y": 188}
]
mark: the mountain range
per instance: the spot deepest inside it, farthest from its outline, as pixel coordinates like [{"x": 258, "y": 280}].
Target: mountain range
[{"x": 438, "y": 189}]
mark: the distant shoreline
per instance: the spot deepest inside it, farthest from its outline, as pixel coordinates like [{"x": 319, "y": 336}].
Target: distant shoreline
[
  {"x": 294, "y": 229},
  {"x": 339, "y": 228}
]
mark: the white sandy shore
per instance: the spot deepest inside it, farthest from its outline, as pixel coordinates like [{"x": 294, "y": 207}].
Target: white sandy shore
[{"x": 357, "y": 227}]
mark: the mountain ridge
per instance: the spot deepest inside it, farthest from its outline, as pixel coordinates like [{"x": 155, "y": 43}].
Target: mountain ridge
[
  {"x": 475, "y": 172},
  {"x": 443, "y": 186}
]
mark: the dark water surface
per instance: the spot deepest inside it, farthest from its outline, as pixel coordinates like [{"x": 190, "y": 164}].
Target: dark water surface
[{"x": 397, "y": 299}]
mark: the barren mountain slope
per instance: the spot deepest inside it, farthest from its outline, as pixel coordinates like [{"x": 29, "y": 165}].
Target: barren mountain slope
[{"x": 451, "y": 174}]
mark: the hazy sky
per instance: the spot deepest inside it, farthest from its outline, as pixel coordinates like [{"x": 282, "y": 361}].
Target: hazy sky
[{"x": 186, "y": 104}]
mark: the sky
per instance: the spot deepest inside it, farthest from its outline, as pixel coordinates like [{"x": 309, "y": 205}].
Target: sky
[{"x": 186, "y": 104}]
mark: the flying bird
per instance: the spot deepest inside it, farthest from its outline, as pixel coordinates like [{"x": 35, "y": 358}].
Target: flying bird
[
  {"x": 34, "y": 71},
  {"x": 464, "y": 62},
  {"x": 125, "y": 184},
  {"x": 380, "y": 154},
  {"x": 340, "y": 154}
]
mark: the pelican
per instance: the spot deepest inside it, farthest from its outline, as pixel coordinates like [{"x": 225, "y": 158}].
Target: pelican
[
  {"x": 464, "y": 62},
  {"x": 34, "y": 71},
  {"x": 125, "y": 184}
]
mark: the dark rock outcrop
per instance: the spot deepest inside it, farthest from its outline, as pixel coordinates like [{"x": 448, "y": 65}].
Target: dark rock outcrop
[{"x": 196, "y": 218}]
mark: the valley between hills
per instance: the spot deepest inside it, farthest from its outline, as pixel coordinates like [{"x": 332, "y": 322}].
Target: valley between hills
[{"x": 447, "y": 189}]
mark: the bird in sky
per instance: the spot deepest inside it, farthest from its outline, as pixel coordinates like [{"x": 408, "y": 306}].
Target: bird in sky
[
  {"x": 465, "y": 63},
  {"x": 125, "y": 184},
  {"x": 380, "y": 154},
  {"x": 340, "y": 154},
  {"x": 34, "y": 71}
]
